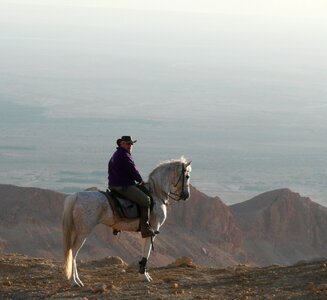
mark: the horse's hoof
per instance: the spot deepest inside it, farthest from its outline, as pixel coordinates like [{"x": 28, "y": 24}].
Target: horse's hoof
[
  {"x": 76, "y": 284},
  {"x": 147, "y": 277}
]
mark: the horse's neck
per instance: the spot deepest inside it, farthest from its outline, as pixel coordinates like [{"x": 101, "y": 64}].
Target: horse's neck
[{"x": 158, "y": 194}]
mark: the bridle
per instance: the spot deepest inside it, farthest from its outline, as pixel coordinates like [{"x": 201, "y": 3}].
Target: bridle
[{"x": 180, "y": 196}]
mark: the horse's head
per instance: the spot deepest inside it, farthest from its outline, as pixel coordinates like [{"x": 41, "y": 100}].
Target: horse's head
[
  {"x": 181, "y": 181},
  {"x": 171, "y": 179}
]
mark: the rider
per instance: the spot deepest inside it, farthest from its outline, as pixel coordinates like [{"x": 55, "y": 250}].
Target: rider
[{"x": 122, "y": 177}]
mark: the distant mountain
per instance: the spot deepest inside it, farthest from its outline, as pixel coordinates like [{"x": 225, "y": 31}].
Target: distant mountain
[
  {"x": 206, "y": 229},
  {"x": 277, "y": 227},
  {"x": 202, "y": 227},
  {"x": 30, "y": 221},
  {"x": 282, "y": 227}
]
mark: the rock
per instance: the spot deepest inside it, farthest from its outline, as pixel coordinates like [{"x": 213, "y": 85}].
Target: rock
[
  {"x": 115, "y": 260},
  {"x": 183, "y": 262},
  {"x": 108, "y": 261},
  {"x": 99, "y": 288}
]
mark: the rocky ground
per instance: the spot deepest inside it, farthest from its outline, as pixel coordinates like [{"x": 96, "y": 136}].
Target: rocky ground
[{"x": 23, "y": 277}]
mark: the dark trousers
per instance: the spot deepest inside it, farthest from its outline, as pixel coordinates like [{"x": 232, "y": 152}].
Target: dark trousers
[{"x": 134, "y": 194}]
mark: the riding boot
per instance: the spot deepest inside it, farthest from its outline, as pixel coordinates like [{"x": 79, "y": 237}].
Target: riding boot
[{"x": 146, "y": 230}]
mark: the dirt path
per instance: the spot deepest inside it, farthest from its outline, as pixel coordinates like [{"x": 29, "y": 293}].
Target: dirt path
[{"x": 23, "y": 277}]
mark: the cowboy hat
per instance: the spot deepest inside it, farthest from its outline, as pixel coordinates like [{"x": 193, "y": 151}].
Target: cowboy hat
[{"x": 127, "y": 139}]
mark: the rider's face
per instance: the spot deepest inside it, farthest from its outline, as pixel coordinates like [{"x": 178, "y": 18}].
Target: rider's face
[{"x": 127, "y": 146}]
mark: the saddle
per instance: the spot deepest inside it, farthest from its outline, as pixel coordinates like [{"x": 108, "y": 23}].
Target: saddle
[{"x": 123, "y": 207}]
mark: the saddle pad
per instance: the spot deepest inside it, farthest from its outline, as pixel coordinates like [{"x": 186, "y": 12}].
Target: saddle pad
[
  {"x": 124, "y": 207},
  {"x": 129, "y": 208}
]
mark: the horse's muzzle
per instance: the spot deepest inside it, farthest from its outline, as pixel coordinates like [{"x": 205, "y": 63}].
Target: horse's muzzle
[{"x": 185, "y": 195}]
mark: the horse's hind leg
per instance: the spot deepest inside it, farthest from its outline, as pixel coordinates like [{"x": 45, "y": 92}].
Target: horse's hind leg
[
  {"x": 78, "y": 244},
  {"x": 84, "y": 223},
  {"x": 83, "y": 229}
]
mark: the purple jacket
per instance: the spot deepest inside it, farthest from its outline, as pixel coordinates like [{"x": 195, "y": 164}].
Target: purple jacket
[{"x": 122, "y": 170}]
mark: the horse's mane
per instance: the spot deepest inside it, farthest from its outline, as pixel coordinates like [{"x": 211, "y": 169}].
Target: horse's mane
[{"x": 168, "y": 163}]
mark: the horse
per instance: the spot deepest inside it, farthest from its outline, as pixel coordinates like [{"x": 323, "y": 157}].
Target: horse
[{"x": 86, "y": 209}]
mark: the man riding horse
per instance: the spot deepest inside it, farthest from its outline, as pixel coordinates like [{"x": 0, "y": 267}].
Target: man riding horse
[{"x": 122, "y": 178}]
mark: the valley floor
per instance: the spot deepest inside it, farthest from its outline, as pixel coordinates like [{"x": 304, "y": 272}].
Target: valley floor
[{"x": 23, "y": 277}]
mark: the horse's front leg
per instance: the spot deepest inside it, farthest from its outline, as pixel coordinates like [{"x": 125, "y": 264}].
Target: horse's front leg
[
  {"x": 145, "y": 256},
  {"x": 158, "y": 218},
  {"x": 146, "y": 251}
]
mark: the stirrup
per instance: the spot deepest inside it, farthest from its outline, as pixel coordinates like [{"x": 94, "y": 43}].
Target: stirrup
[{"x": 148, "y": 233}]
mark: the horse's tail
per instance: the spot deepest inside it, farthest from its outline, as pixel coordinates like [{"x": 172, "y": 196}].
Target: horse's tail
[{"x": 68, "y": 231}]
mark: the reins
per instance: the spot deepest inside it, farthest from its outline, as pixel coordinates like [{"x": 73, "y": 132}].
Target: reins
[{"x": 182, "y": 175}]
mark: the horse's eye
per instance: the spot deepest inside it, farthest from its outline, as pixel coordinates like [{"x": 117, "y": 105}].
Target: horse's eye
[{"x": 187, "y": 176}]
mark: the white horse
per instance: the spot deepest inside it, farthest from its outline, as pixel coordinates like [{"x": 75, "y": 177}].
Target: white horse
[{"x": 84, "y": 210}]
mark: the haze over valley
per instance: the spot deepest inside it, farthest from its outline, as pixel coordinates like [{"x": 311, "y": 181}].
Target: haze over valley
[{"x": 241, "y": 93}]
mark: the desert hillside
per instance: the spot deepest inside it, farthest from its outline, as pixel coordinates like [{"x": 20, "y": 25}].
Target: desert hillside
[
  {"x": 277, "y": 227},
  {"x": 282, "y": 226},
  {"x": 23, "y": 277}
]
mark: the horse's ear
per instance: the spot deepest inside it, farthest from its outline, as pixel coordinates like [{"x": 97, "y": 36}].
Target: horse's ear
[{"x": 188, "y": 164}]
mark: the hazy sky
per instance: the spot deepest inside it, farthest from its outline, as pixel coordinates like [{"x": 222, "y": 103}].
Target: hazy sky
[
  {"x": 248, "y": 75},
  {"x": 288, "y": 8},
  {"x": 204, "y": 47}
]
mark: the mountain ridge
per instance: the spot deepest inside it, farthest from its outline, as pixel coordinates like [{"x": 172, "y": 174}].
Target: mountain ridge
[
  {"x": 286, "y": 227},
  {"x": 276, "y": 227}
]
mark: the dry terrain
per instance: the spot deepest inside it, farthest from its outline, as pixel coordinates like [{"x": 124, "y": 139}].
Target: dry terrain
[
  {"x": 276, "y": 227},
  {"x": 23, "y": 277}
]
